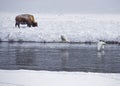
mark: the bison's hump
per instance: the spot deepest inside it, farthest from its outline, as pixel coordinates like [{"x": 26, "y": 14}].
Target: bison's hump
[{"x": 26, "y": 16}]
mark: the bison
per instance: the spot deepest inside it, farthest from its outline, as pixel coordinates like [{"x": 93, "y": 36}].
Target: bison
[{"x": 25, "y": 19}]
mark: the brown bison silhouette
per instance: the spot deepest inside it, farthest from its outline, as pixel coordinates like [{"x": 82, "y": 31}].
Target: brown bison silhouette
[{"x": 25, "y": 19}]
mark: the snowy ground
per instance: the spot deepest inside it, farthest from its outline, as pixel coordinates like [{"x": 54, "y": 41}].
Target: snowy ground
[
  {"x": 75, "y": 28},
  {"x": 46, "y": 78}
]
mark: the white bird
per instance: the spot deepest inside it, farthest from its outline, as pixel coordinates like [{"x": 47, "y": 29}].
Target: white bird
[{"x": 101, "y": 45}]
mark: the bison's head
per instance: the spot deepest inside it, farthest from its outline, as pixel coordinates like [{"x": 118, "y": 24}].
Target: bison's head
[{"x": 35, "y": 24}]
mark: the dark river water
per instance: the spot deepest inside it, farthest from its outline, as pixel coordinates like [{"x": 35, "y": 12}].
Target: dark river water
[{"x": 59, "y": 57}]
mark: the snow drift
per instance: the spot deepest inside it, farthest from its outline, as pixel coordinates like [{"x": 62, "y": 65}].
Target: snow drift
[
  {"x": 47, "y": 78},
  {"x": 74, "y": 27}
]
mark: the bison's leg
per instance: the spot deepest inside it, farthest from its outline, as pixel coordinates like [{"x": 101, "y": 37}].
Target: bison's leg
[
  {"x": 29, "y": 24},
  {"x": 17, "y": 24}
]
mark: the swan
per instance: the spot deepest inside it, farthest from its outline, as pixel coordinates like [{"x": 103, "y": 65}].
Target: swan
[{"x": 100, "y": 45}]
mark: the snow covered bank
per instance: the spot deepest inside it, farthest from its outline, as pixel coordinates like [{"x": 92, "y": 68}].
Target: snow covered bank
[
  {"x": 46, "y": 78},
  {"x": 74, "y": 27}
]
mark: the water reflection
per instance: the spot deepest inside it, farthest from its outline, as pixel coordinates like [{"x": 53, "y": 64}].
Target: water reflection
[
  {"x": 101, "y": 54},
  {"x": 24, "y": 56},
  {"x": 64, "y": 58}
]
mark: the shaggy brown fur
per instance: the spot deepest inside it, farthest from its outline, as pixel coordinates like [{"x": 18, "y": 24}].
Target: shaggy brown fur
[{"x": 25, "y": 19}]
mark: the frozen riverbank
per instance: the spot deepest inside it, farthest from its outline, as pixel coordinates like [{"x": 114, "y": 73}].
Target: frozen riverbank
[{"x": 74, "y": 27}]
